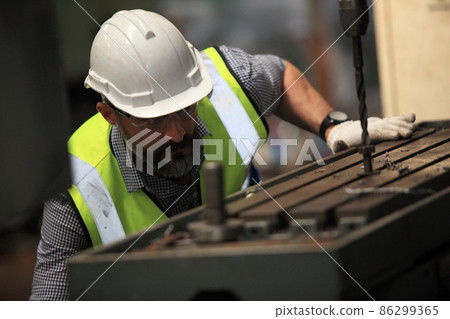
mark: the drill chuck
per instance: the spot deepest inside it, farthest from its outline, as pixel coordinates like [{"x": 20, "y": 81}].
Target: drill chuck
[{"x": 354, "y": 16}]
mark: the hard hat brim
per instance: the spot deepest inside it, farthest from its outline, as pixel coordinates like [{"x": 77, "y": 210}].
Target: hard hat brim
[{"x": 163, "y": 107}]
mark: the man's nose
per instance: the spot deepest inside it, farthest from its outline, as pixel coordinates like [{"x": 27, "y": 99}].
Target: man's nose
[{"x": 175, "y": 130}]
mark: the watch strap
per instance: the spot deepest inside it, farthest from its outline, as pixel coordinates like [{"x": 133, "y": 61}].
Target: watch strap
[{"x": 328, "y": 121}]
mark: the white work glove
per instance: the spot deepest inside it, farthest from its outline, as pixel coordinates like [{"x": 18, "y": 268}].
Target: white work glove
[{"x": 348, "y": 134}]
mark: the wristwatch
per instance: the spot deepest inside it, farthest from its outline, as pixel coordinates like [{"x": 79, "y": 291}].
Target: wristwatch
[{"x": 333, "y": 118}]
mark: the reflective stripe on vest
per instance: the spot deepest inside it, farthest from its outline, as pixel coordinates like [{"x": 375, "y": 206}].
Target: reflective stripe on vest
[
  {"x": 98, "y": 199},
  {"x": 99, "y": 191},
  {"x": 237, "y": 122},
  {"x": 223, "y": 119},
  {"x": 135, "y": 210}
]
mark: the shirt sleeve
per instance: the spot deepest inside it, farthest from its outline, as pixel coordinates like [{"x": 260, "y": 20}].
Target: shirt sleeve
[
  {"x": 62, "y": 235},
  {"x": 261, "y": 76}
]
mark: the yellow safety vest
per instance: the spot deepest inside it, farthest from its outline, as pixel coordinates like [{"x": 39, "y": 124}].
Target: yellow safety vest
[{"x": 99, "y": 192}]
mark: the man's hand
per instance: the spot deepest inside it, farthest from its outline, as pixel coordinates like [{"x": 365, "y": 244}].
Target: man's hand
[{"x": 348, "y": 134}]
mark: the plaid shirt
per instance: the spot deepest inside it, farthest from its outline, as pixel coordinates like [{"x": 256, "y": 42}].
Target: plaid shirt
[{"x": 63, "y": 233}]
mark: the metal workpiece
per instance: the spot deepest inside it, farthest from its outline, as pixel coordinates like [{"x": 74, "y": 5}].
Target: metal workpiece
[
  {"x": 216, "y": 225},
  {"x": 388, "y": 230},
  {"x": 215, "y": 212},
  {"x": 203, "y": 232}
]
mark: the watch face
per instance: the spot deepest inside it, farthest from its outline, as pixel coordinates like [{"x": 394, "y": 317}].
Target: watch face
[{"x": 338, "y": 116}]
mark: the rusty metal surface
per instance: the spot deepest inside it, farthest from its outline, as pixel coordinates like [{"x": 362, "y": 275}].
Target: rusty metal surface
[
  {"x": 303, "y": 229},
  {"x": 307, "y": 186},
  {"x": 409, "y": 169}
]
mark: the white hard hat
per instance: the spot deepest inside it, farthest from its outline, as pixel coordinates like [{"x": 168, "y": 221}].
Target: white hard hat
[{"x": 143, "y": 65}]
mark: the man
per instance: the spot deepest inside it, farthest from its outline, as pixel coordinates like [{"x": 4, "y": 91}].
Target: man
[{"x": 138, "y": 161}]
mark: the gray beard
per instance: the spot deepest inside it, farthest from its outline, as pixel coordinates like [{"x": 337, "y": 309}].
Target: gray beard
[{"x": 175, "y": 169}]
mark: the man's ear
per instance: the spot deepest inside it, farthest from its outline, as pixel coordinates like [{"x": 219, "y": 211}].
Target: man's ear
[{"x": 107, "y": 112}]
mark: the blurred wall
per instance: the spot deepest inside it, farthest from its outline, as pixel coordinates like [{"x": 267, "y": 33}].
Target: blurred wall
[
  {"x": 414, "y": 50},
  {"x": 34, "y": 128},
  {"x": 34, "y": 116}
]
